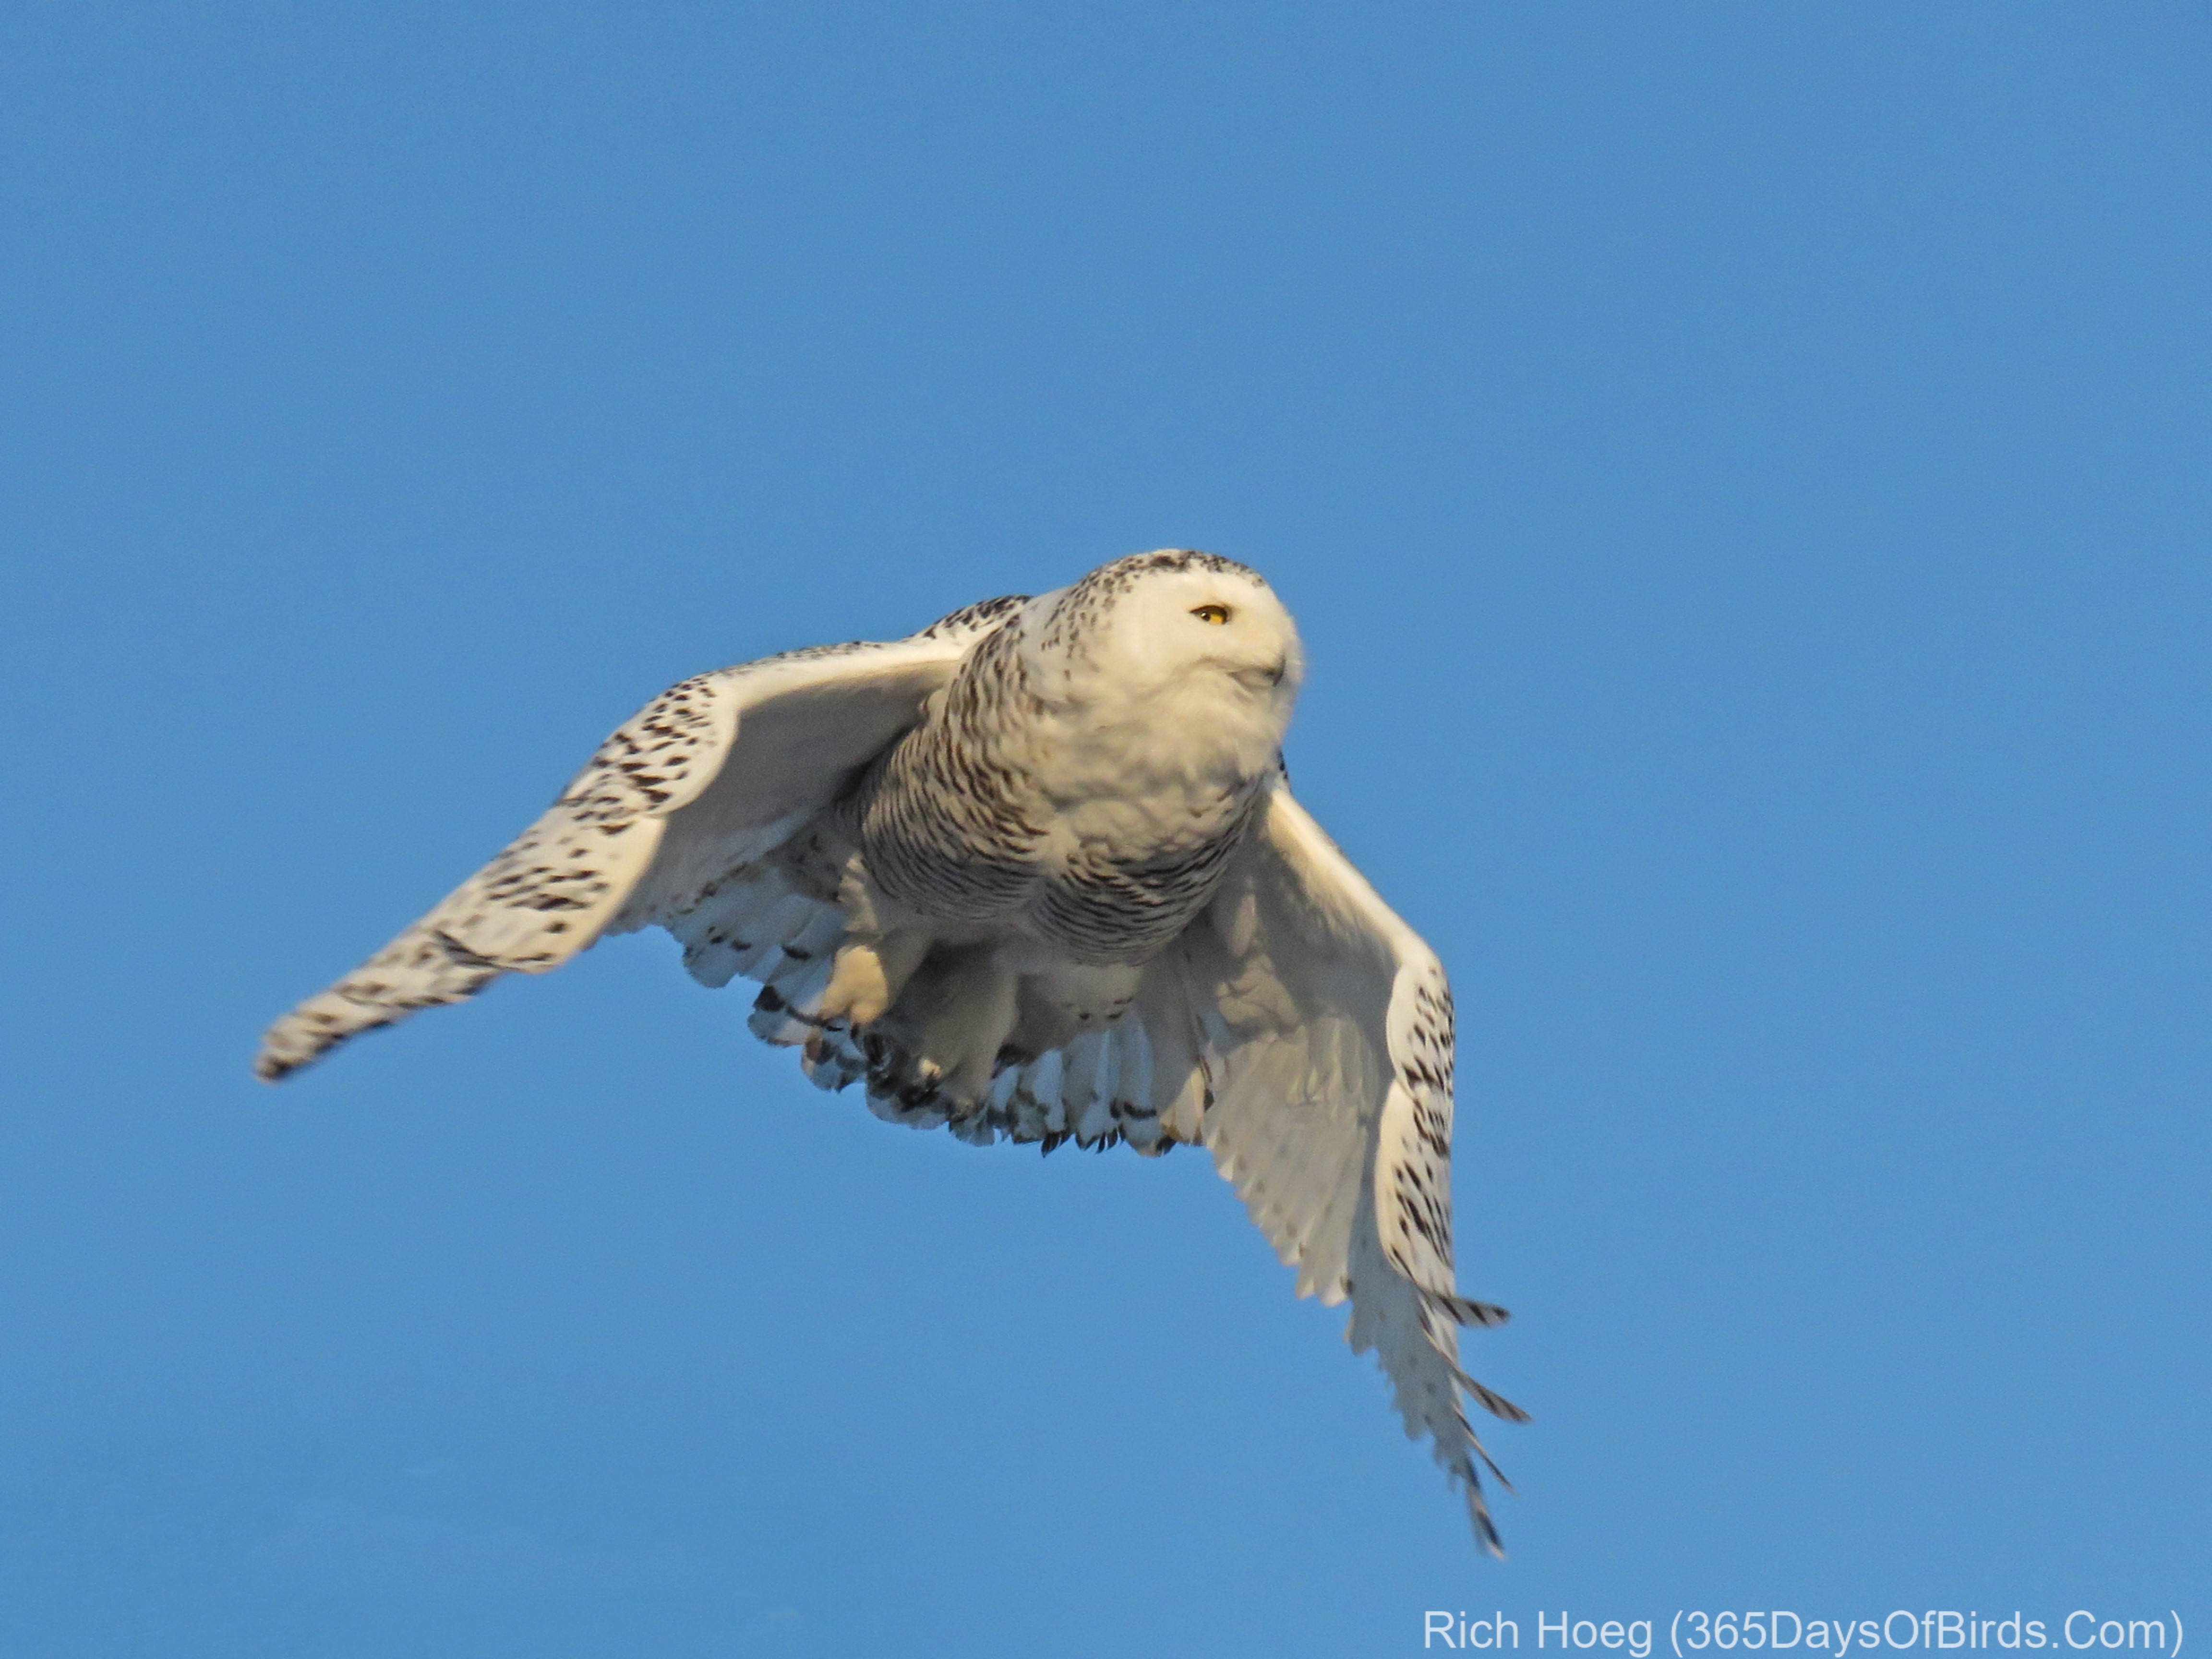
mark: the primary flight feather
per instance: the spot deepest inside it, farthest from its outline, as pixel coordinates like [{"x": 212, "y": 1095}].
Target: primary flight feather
[{"x": 1034, "y": 872}]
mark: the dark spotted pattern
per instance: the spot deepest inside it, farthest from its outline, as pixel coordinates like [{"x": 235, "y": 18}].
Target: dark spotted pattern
[
  {"x": 1422, "y": 1181},
  {"x": 975, "y": 618},
  {"x": 1084, "y": 606},
  {"x": 651, "y": 758},
  {"x": 949, "y": 824},
  {"x": 1107, "y": 911},
  {"x": 422, "y": 969},
  {"x": 942, "y": 819},
  {"x": 560, "y": 882}
]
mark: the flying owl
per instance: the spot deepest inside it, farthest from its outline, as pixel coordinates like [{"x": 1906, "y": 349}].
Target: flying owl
[{"x": 1033, "y": 873}]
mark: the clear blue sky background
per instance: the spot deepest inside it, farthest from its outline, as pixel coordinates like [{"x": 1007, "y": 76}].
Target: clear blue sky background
[{"x": 1742, "y": 472}]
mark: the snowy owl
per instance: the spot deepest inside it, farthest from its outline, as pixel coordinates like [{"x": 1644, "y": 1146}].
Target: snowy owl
[{"x": 1034, "y": 872}]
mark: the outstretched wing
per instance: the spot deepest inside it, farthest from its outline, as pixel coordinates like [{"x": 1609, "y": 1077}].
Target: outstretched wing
[
  {"x": 714, "y": 772},
  {"x": 1303, "y": 1033},
  {"x": 1328, "y": 1029}
]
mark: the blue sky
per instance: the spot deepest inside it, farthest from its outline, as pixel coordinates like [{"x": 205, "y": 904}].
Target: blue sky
[{"x": 1741, "y": 475}]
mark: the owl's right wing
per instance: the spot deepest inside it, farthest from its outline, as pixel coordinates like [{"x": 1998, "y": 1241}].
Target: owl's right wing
[{"x": 713, "y": 774}]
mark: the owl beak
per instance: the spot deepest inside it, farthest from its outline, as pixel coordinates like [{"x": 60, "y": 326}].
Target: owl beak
[{"x": 1262, "y": 679}]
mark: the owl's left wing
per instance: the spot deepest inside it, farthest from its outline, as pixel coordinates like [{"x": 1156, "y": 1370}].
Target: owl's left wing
[
  {"x": 1303, "y": 1033},
  {"x": 1324, "y": 1025}
]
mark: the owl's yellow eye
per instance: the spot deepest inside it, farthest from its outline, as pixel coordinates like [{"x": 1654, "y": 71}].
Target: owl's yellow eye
[{"x": 1216, "y": 614}]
